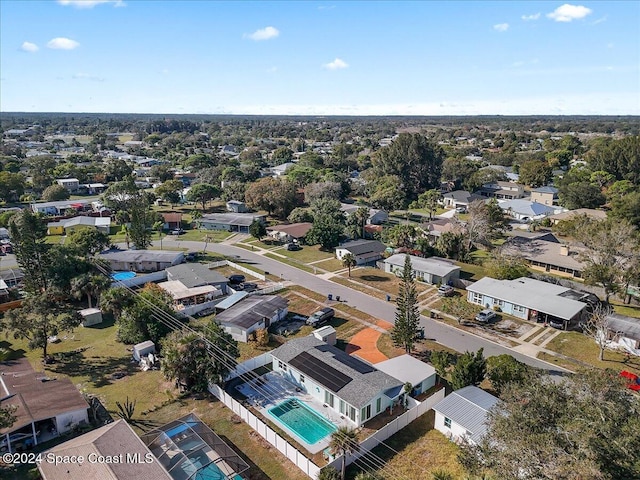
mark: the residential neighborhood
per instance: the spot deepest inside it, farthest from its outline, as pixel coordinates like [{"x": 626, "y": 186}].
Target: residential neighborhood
[{"x": 297, "y": 301}]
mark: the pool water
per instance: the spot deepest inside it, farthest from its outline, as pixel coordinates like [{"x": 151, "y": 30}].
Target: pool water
[
  {"x": 303, "y": 420},
  {"x": 123, "y": 275}
]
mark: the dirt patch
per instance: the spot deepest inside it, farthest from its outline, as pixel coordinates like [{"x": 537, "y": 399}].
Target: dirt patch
[
  {"x": 364, "y": 344},
  {"x": 386, "y": 325}
]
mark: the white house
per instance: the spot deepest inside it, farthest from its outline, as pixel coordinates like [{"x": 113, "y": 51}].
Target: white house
[
  {"x": 236, "y": 206},
  {"x": 141, "y": 260},
  {"x": 433, "y": 270},
  {"x": 408, "y": 369},
  {"x": 463, "y": 414},
  {"x": 375, "y": 217},
  {"x": 460, "y": 199},
  {"x": 229, "y": 222},
  {"x": 526, "y": 210},
  {"x": 252, "y": 313},
  {"x": 349, "y": 386},
  {"x": 294, "y": 232},
  {"x": 364, "y": 251},
  {"x": 529, "y": 299},
  {"x": 502, "y": 190},
  {"x": 281, "y": 169}
]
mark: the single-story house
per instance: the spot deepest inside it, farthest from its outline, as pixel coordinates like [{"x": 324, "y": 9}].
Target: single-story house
[
  {"x": 189, "y": 449},
  {"x": 408, "y": 369},
  {"x": 294, "y": 232},
  {"x": 281, "y": 169},
  {"x": 229, "y": 222},
  {"x": 252, "y": 313},
  {"x": 545, "y": 195},
  {"x": 376, "y": 216},
  {"x": 64, "y": 227},
  {"x": 184, "y": 296},
  {"x": 71, "y": 184},
  {"x": 141, "y": 260},
  {"x": 527, "y": 210},
  {"x": 236, "y": 206},
  {"x": 528, "y": 299},
  {"x": 346, "y": 384},
  {"x": 624, "y": 332},
  {"x": 433, "y": 270},
  {"x": 44, "y": 407},
  {"x": 364, "y": 251},
  {"x": 94, "y": 188},
  {"x": 590, "y": 212},
  {"x": 545, "y": 256},
  {"x": 463, "y": 414},
  {"x": 172, "y": 221},
  {"x": 113, "y": 440},
  {"x": 91, "y": 316},
  {"x": 196, "y": 275},
  {"x": 438, "y": 226},
  {"x": 460, "y": 198},
  {"x": 59, "y": 208},
  {"x": 502, "y": 190}
]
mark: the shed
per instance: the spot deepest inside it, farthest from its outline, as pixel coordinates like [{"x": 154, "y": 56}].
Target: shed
[
  {"x": 408, "y": 369},
  {"x": 327, "y": 334},
  {"x": 143, "y": 349},
  {"x": 91, "y": 316}
]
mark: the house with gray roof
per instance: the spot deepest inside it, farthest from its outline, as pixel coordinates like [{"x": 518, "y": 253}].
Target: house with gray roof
[
  {"x": 141, "y": 260},
  {"x": 196, "y": 275},
  {"x": 349, "y": 386},
  {"x": 463, "y": 414},
  {"x": 545, "y": 195},
  {"x": 229, "y": 222},
  {"x": 527, "y": 210},
  {"x": 408, "y": 369},
  {"x": 375, "y": 217},
  {"x": 460, "y": 198},
  {"x": 546, "y": 256},
  {"x": 252, "y": 313},
  {"x": 529, "y": 299},
  {"x": 364, "y": 251},
  {"x": 433, "y": 270}
]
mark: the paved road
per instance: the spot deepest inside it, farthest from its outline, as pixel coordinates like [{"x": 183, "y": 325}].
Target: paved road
[{"x": 444, "y": 334}]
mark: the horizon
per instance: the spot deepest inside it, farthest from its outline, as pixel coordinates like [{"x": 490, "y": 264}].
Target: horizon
[{"x": 357, "y": 59}]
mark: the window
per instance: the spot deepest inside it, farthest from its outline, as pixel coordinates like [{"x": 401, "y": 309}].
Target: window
[
  {"x": 477, "y": 298},
  {"x": 328, "y": 398},
  {"x": 352, "y": 414},
  {"x": 378, "y": 404},
  {"x": 498, "y": 302},
  {"x": 447, "y": 422},
  {"x": 365, "y": 413},
  {"x": 518, "y": 308},
  {"x": 343, "y": 407},
  {"x": 301, "y": 378},
  {"x": 280, "y": 365}
]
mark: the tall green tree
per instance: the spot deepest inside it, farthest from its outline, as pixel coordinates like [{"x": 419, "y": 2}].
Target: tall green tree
[
  {"x": 28, "y": 232},
  {"x": 535, "y": 173},
  {"x": 415, "y": 160},
  {"x": 88, "y": 241},
  {"x": 257, "y": 229},
  {"x": 344, "y": 441},
  {"x": 328, "y": 223},
  {"x": 11, "y": 186},
  {"x": 170, "y": 191},
  {"x": 585, "y": 427},
  {"x": 115, "y": 301},
  {"x": 349, "y": 261},
  {"x": 197, "y": 359},
  {"x": 202, "y": 193},
  {"x": 275, "y": 195},
  {"x": 140, "y": 228},
  {"x": 407, "y": 321},
  {"x": 39, "y": 318},
  {"x": 428, "y": 200},
  {"x": 470, "y": 369},
  {"x": 90, "y": 286},
  {"x": 504, "y": 370}
]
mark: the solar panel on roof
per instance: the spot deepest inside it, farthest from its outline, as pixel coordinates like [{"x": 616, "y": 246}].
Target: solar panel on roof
[
  {"x": 351, "y": 362},
  {"x": 325, "y": 374}
]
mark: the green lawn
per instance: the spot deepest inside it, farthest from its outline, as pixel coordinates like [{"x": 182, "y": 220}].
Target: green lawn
[
  {"x": 308, "y": 254},
  {"x": 470, "y": 271},
  {"x": 289, "y": 261},
  {"x": 584, "y": 349},
  {"x": 628, "y": 310},
  {"x": 331, "y": 265}
]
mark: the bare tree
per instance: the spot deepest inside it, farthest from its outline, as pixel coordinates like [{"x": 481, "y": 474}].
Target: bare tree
[{"x": 597, "y": 327}]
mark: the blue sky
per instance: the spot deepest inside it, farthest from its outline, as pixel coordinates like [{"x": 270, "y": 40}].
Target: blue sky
[{"x": 299, "y": 57}]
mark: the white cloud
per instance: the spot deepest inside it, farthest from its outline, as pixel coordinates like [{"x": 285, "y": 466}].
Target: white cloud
[
  {"x": 29, "y": 47},
  {"x": 62, "y": 43},
  {"x": 501, "y": 27},
  {"x": 568, "y": 13},
  {"x": 90, "y": 3},
  {"x": 600, "y": 20},
  {"x": 528, "y": 18},
  {"x": 266, "y": 33},
  {"x": 337, "y": 64}
]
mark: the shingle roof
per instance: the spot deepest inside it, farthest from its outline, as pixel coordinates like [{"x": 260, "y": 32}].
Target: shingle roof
[
  {"x": 362, "y": 247},
  {"x": 195, "y": 274},
  {"x": 468, "y": 407},
  {"x": 433, "y": 265},
  {"x": 296, "y": 230},
  {"x": 114, "y": 439},
  {"x": 252, "y": 310},
  {"x": 244, "y": 219},
  {"x": 141, "y": 255},
  {"x": 533, "y": 294},
  {"x": 361, "y": 389}
]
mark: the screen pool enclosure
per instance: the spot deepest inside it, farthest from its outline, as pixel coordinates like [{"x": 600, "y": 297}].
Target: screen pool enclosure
[{"x": 303, "y": 420}]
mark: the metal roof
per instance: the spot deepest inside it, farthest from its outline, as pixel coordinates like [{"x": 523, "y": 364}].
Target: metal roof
[
  {"x": 433, "y": 265},
  {"x": 231, "y": 300},
  {"x": 468, "y": 407},
  {"x": 533, "y": 294},
  {"x": 627, "y": 326},
  {"x": 366, "y": 383},
  {"x": 361, "y": 247}
]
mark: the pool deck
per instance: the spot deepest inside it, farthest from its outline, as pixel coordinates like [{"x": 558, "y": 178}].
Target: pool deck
[{"x": 278, "y": 389}]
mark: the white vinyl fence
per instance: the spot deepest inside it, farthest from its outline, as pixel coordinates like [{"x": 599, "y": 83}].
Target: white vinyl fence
[
  {"x": 249, "y": 365},
  {"x": 417, "y": 410},
  {"x": 246, "y": 270},
  {"x": 284, "y": 447}
]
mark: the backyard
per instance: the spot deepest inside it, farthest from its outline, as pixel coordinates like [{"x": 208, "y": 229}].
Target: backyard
[{"x": 375, "y": 282}]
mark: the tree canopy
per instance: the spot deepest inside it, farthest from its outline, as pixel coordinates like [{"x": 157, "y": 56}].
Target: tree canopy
[{"x": 407, "y": 321}]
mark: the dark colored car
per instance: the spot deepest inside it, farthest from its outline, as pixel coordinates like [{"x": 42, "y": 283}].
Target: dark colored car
[
  {"x": 293, "y": 247},
  {"x": 559, "y": 324},
  {"x": 248, "y": 287},
  {"x": 236, "y": 279},
  {"x": 321, "y": 317}
]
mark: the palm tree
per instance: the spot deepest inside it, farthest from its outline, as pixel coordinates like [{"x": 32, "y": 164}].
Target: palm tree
[
  {"x": 115, "y": 300},
  {"x": 344, "y": 442},
  {"x": 441, "y": 475},
  {"x": 89, "y": 285},
  {"x": 349, "y": 261}
]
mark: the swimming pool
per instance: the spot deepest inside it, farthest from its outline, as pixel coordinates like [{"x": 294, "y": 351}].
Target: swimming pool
[
  {"x": 303, "y": 420},
  {"x": 123, "y": 275}
]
